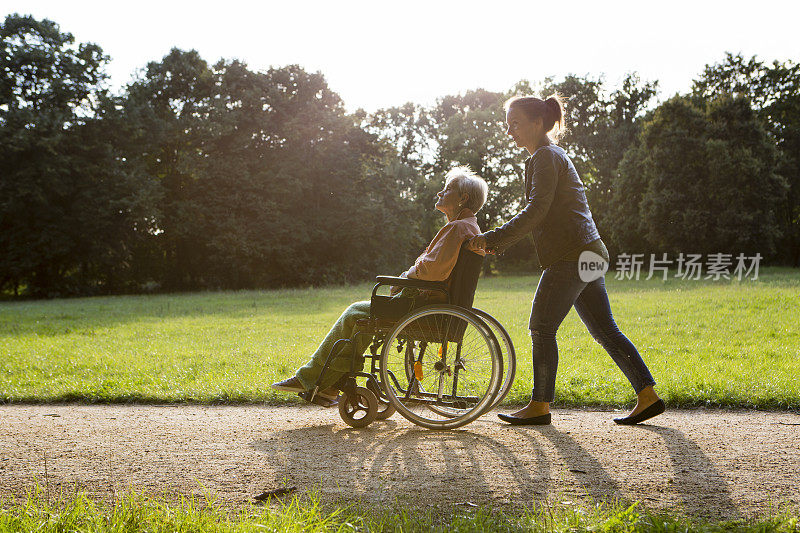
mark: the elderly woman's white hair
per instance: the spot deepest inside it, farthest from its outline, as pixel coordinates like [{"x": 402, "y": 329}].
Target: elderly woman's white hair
[{"x": 470, "y": 183}]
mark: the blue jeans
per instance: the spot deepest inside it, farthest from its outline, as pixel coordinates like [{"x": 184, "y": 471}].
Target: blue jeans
[{"x": 561, "y": 287}]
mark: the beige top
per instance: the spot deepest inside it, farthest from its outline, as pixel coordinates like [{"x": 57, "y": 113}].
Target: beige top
[{"x": 437, "y": 261}]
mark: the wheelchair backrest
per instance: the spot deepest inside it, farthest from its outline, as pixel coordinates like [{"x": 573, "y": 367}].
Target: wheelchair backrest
[{"x": 464, "y": 277}]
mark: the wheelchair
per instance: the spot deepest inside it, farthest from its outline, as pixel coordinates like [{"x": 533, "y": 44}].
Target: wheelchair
[{"x": 440, "y": 365}]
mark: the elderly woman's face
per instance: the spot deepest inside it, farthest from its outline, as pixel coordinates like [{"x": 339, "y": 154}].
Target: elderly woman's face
[{"x": 449, "y": 200}]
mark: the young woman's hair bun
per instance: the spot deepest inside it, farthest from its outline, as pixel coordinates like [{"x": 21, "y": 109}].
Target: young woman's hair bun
[{"x": 555, "y": 107}]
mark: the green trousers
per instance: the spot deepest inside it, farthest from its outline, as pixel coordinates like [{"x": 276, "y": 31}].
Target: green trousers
[{"x": 344, "y": 328}]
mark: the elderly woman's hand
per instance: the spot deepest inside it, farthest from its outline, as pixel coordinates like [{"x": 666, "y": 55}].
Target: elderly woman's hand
[{"x": 478, "y": 242}]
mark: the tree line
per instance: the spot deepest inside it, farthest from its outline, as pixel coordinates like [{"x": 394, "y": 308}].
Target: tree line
[{"x": 216, "y": 176}]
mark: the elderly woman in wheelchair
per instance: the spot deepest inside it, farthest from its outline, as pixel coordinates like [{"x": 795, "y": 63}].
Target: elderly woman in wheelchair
[{"x": 428, "y": 311}]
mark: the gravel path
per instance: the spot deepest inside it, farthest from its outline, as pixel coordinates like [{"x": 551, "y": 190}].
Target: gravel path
[{"x": 710, "y": 463}]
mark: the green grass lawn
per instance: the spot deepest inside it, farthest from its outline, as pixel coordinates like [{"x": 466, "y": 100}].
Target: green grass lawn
[
  {"x": 135, "y": 512},
  {"x": 723, "y": 343}
]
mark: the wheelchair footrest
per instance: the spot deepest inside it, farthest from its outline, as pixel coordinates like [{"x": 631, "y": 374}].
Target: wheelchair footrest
[{"x": 317, "y": 399}]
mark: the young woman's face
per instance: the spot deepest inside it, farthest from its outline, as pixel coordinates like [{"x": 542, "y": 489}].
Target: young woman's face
[
  {"x": 449, "y": 200},
  {"x": 524, "y": 131}
]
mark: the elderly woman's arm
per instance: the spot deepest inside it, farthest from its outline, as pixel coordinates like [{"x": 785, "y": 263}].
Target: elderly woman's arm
[{"x": 439, "y": 258}]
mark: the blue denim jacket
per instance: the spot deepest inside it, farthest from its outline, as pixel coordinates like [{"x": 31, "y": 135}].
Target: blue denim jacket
[{"x": 557, "y": 213}]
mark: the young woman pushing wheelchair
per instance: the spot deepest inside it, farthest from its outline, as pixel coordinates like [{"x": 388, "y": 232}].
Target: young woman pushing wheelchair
[{"x": 558, "y": 217}]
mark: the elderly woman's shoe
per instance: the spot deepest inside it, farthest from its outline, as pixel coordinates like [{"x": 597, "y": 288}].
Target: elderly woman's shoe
[
  {"x": 326, "y": 398},
  {"x": 293, "y": 385},
  {"x": 329, "y": 394},
  {"x": 289, "y": 385},
  {"x": 322, "y": 401}
]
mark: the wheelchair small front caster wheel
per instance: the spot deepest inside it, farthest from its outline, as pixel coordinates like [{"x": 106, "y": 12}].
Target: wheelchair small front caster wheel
[
  {"x": 358, "y": 408},
  {"x": 385, "y": 407}
]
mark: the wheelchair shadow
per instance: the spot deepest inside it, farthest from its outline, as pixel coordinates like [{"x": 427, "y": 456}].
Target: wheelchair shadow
[{"x": 388, "y": 462}]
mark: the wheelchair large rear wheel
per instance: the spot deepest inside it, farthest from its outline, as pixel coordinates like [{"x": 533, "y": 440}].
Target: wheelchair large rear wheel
[
  {"x": 507, "y": 352},
  {"x": 441, "y": 366}
]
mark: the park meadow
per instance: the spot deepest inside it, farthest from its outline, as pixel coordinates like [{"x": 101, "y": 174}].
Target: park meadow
[{"x": 724, "y": 343}]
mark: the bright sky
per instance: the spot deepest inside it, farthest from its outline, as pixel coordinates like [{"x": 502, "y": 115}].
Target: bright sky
[{"x": 381, "y": 53}]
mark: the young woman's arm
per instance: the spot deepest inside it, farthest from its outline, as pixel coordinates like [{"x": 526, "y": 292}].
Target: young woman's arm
[{"x": 543, "y": 189}]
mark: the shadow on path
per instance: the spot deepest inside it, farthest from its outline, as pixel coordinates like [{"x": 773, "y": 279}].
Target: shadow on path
[
  {"x": 385, "y": 462},
  {"x": 594, "y": 480},
  {"x": 702, "y": 488}
]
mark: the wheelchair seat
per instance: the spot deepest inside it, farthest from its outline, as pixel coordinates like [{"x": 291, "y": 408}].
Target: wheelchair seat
[{"x": 458, "y": 289}]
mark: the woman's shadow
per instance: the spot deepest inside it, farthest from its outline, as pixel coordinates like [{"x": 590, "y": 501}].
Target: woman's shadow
[
  {"x": 703, "y": 490},
  {"x": 594, "y": 481}
]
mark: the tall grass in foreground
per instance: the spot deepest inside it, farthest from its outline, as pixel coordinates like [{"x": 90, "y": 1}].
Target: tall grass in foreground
[
  {"x": 305, "y": 514},
  {"x": 717, "y": 343}
]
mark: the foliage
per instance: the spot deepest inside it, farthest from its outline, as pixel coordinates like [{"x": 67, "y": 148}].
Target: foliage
[
  {"x": 774, "y": 91},
  {"x": 197, "y": 177},
  {"x": 680, "y": 187},
  {"x": 202, "y": 176},
  {"x": 266, "y": 181},
  {"x": 69, "y": 200}
]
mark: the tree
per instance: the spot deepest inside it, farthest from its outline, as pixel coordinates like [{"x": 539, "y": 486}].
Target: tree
[
  {"x": 296, "y": 192},
  {"x": 266, "y": 180},
  {"x": 774, "y": 91},
  {"x": 408, "y": 128},
  {"x": 170, "y": 104},
  {"x": 68, "y": 201},
  {"x": 699, "y": 179}
]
